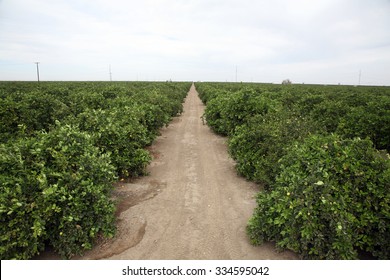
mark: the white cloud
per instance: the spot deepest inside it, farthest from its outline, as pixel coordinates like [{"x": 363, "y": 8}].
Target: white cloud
[{"x": 323, "y": 41}]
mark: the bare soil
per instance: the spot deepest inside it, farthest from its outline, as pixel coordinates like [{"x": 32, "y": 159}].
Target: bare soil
[{"x": 192, "y": 205}]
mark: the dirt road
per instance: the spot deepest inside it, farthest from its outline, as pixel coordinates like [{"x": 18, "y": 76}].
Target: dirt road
[{"x": 191, "y": 206}]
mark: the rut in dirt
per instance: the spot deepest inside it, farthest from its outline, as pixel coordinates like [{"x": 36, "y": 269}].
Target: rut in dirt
[{"x": 193, "y": 205}]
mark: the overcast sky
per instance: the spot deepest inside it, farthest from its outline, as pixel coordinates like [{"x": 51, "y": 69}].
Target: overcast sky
[{"x": 310, "y": 41}]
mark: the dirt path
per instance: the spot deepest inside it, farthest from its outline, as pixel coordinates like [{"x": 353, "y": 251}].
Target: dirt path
[{"x": 192, "y": 205}]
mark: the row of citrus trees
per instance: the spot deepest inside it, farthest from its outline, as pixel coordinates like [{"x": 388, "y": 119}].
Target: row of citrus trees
[
  {"x": 321, "y": 154},
  {"x": 62, "y": 145}
]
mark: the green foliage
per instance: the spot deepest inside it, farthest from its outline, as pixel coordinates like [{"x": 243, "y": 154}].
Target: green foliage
[
  {"x": 62, "y": 145},
  {"x": 54, "y": 188},
  {"x": 228, "y": 110},
  {"x": 215, "y": 116},
  {"x": 119, "y": 133},
  {"x": 369, "y": 120},
  {"x": 9, "y": 119},
  {"x": 351, "y": 114},
  {"x": 28, "y": 113},
  {"x": 263, "y": 120},
  {"x": 331, "y": 199},
  {"x": 258, "y": 145},
  {"x": 326, "y": 196},
  {"x": 21, "y": 223}
]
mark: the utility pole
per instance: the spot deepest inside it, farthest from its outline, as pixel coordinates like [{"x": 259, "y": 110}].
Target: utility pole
[
  {"x": 236, "y": 73},
  {"x": 37, "y": 63},
  {"x": 360, "y": 76},
  {"x": 110, "y": 72}
]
